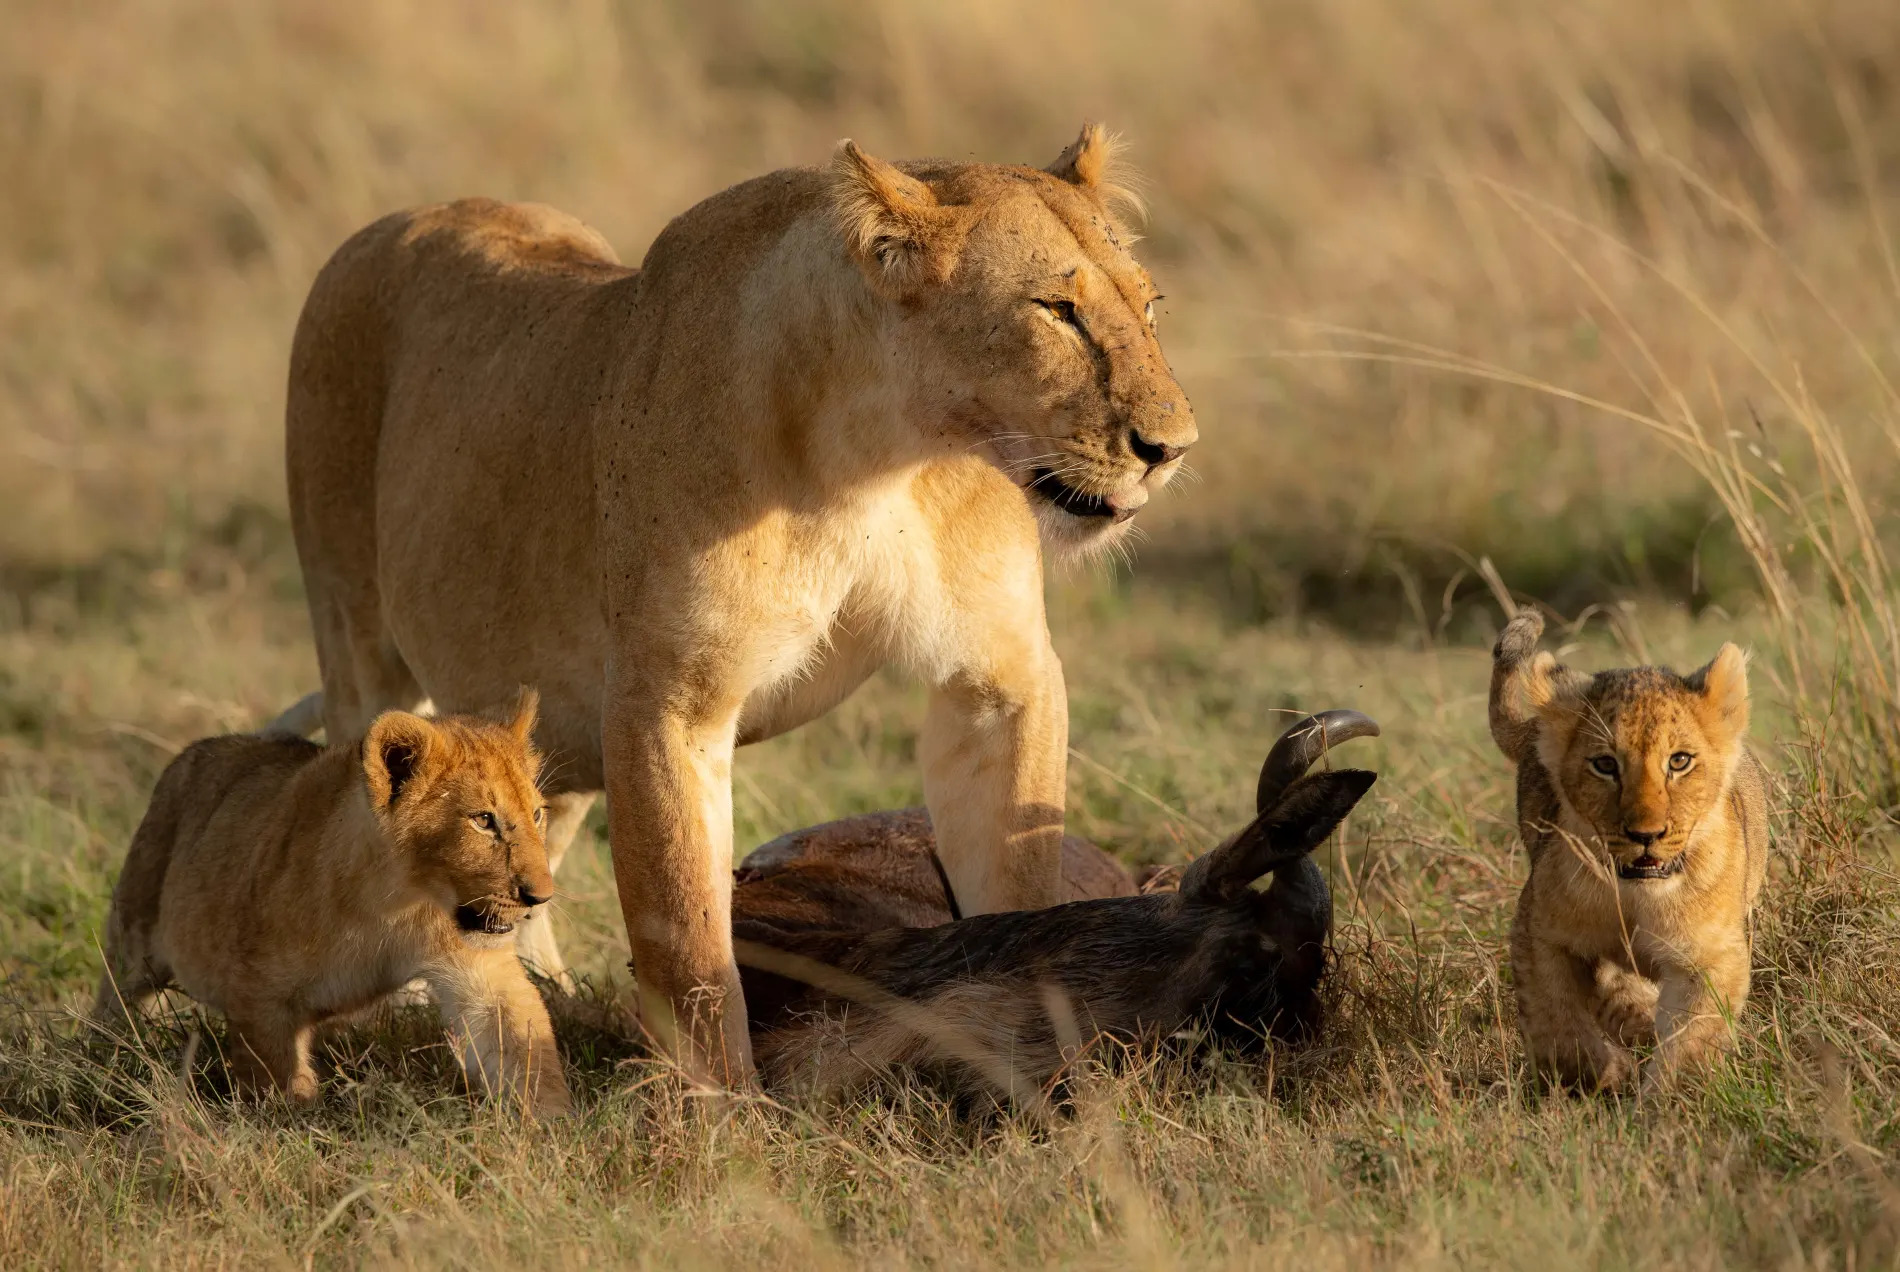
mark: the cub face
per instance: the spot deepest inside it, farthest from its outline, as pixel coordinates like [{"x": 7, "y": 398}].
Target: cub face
[
  {"x": 1030, "y": 327},
  {"x": 1642, "y": 755},
  {"x": 457, "y": 797}
]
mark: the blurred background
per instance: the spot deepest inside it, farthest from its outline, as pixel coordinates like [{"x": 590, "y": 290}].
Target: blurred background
[{"x": 1399, "y": 243}]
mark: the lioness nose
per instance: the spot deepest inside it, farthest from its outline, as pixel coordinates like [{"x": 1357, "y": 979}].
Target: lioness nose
[
  {"x": 529, "y": 896},
  {"x": 1644, "y": 838},
  {"x": 1152, "y": 453}
]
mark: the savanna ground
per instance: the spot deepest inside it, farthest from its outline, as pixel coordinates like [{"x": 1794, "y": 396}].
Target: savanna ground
[{"x": 1605, "y": 294}]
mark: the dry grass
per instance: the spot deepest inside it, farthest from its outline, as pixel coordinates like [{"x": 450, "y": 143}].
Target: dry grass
[{"x": 1605, "y": 292}]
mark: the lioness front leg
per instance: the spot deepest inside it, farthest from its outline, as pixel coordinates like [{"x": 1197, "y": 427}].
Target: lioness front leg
[
  {"x": 499, "y": 1028},
  {"x": 995, "y": 761},
  {"x": 669, "y": 812}
]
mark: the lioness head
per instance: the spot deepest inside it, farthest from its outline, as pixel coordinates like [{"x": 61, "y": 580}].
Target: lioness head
[
  {"x": 1643, "y": 754},
  {"x": 457, "y": 798},
  {"x": 1027, "y": 327}
]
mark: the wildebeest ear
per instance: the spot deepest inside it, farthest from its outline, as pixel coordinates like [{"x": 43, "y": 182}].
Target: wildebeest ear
[
  {"x": 1298, "y": 822},
  {"x": 398, "y": 749}
]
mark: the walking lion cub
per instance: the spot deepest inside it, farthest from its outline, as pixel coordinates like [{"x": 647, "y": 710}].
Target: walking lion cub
[
  {"x": 285, "y": 884},
  {"x": 1646, "y": 819}
]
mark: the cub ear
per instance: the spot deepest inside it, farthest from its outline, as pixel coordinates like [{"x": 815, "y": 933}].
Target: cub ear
[
  {"x": 398, "y": 748},
  {"x": 527, "y": 710},
  {"x": 1723, "y": 684},
  {"x": 893, "y": 226}
]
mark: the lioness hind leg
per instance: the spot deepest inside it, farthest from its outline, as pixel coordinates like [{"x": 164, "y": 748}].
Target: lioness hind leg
[{"x": 535, "y": 943}]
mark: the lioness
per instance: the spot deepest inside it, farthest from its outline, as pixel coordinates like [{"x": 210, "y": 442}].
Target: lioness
[
  {"x": 285, "y": 884},
  {"x": 698, "y": 503},
  {"x": 1646, "y": 818}
]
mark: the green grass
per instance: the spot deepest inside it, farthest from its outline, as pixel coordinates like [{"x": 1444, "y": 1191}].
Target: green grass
[
  {"x": 1407, "y": 1136},
  {"x": 1604, "y": 294}
]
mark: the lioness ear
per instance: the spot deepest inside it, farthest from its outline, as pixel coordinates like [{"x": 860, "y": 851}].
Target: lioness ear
[
  {"x": 1085, "y": 162},
  {"x": 399, "y": 746},
  {"x": 526, "y": 711},
  {"x": 1724, "y": 687},
  {"x": 892, "y": 223}
]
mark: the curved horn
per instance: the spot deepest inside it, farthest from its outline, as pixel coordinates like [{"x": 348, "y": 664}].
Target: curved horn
[{"x": 1304, "y": 743}]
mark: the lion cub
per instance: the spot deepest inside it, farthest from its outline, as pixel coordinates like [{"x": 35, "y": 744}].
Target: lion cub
[
  {"x": 285, "y": 884},
  {"x": 1646, "y": 819}
]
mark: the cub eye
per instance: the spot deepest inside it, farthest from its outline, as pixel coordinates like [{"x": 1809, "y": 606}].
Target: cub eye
[
  {"x": 1680, "y": 762},
  {"x": 540, "y": 816},
  {"x": 483, "y": 821},
  {"x": 1605, "y": 765},
  {"x": 1062, "y": 311},
  {"x": 1149, "y": 312}
]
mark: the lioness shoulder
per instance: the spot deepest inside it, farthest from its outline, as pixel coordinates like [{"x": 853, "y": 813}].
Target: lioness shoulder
[
  {"x": 1646, "y": 819},
  {"x": 285, "y": 884}
]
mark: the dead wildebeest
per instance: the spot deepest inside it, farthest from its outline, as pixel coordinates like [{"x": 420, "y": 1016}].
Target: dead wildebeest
[{"x": 842, "y": 980}]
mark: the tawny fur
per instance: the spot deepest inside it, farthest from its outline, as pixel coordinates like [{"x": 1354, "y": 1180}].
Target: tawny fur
[
  {"x": 814, "y": 434},
  {"x": 1620, "y": 944},
  {"x": 841, "y": 989},
  {"x": 284, "y": 885}
]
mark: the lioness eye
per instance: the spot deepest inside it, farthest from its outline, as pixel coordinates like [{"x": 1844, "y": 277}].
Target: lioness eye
[
  {"x": 1604, "y": 764},
  {"x": 1680, "y": 762},
  {"x": 1062, "y": 311},
  {"x": 540, "y": 816},
  {"x": 484, "y": 821},
  {"x": 1150, "y": 310}
]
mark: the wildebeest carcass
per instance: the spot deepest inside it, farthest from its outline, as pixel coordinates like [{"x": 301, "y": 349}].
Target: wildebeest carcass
[{"x": 843, "y": 981}]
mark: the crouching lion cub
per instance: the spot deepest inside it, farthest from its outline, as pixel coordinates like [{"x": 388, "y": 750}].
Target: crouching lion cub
[
  {"x": 285, "y": 884},
  {"x": 1646, "y": 819}
]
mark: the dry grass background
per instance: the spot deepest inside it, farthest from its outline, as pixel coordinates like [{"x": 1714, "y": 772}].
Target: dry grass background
[{"x": 1605, "y": 292}]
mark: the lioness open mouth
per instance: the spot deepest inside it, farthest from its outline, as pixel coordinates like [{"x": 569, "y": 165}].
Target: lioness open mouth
[
  {"x": 1073, "y": 501},
  {"x": 1648, "y": 867},
  {"x": 471, "y": 919}
]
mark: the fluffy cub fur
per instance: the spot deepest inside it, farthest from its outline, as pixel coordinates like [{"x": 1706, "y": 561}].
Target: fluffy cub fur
[
  {"x": 1646, "y": 819},
  {"x": 285, "y": 884}
]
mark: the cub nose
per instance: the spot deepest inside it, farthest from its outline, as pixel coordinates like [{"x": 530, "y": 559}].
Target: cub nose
[
  {"x": 526, "y": 892},
  {"x": 1644, "y": 838},
  {"x": 1152, "y": 453}
]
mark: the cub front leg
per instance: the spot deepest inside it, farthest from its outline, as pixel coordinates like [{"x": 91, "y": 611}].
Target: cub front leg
[
  {"x": 1557, "y": 1012},
  {"x": 500, "y": 1029},
  {"x": 669, "y": 806},
  {"x": 270, "y": 1048},
  {"x": 1695, "y": 1007},
  {"x": 995, "y": 750}
]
